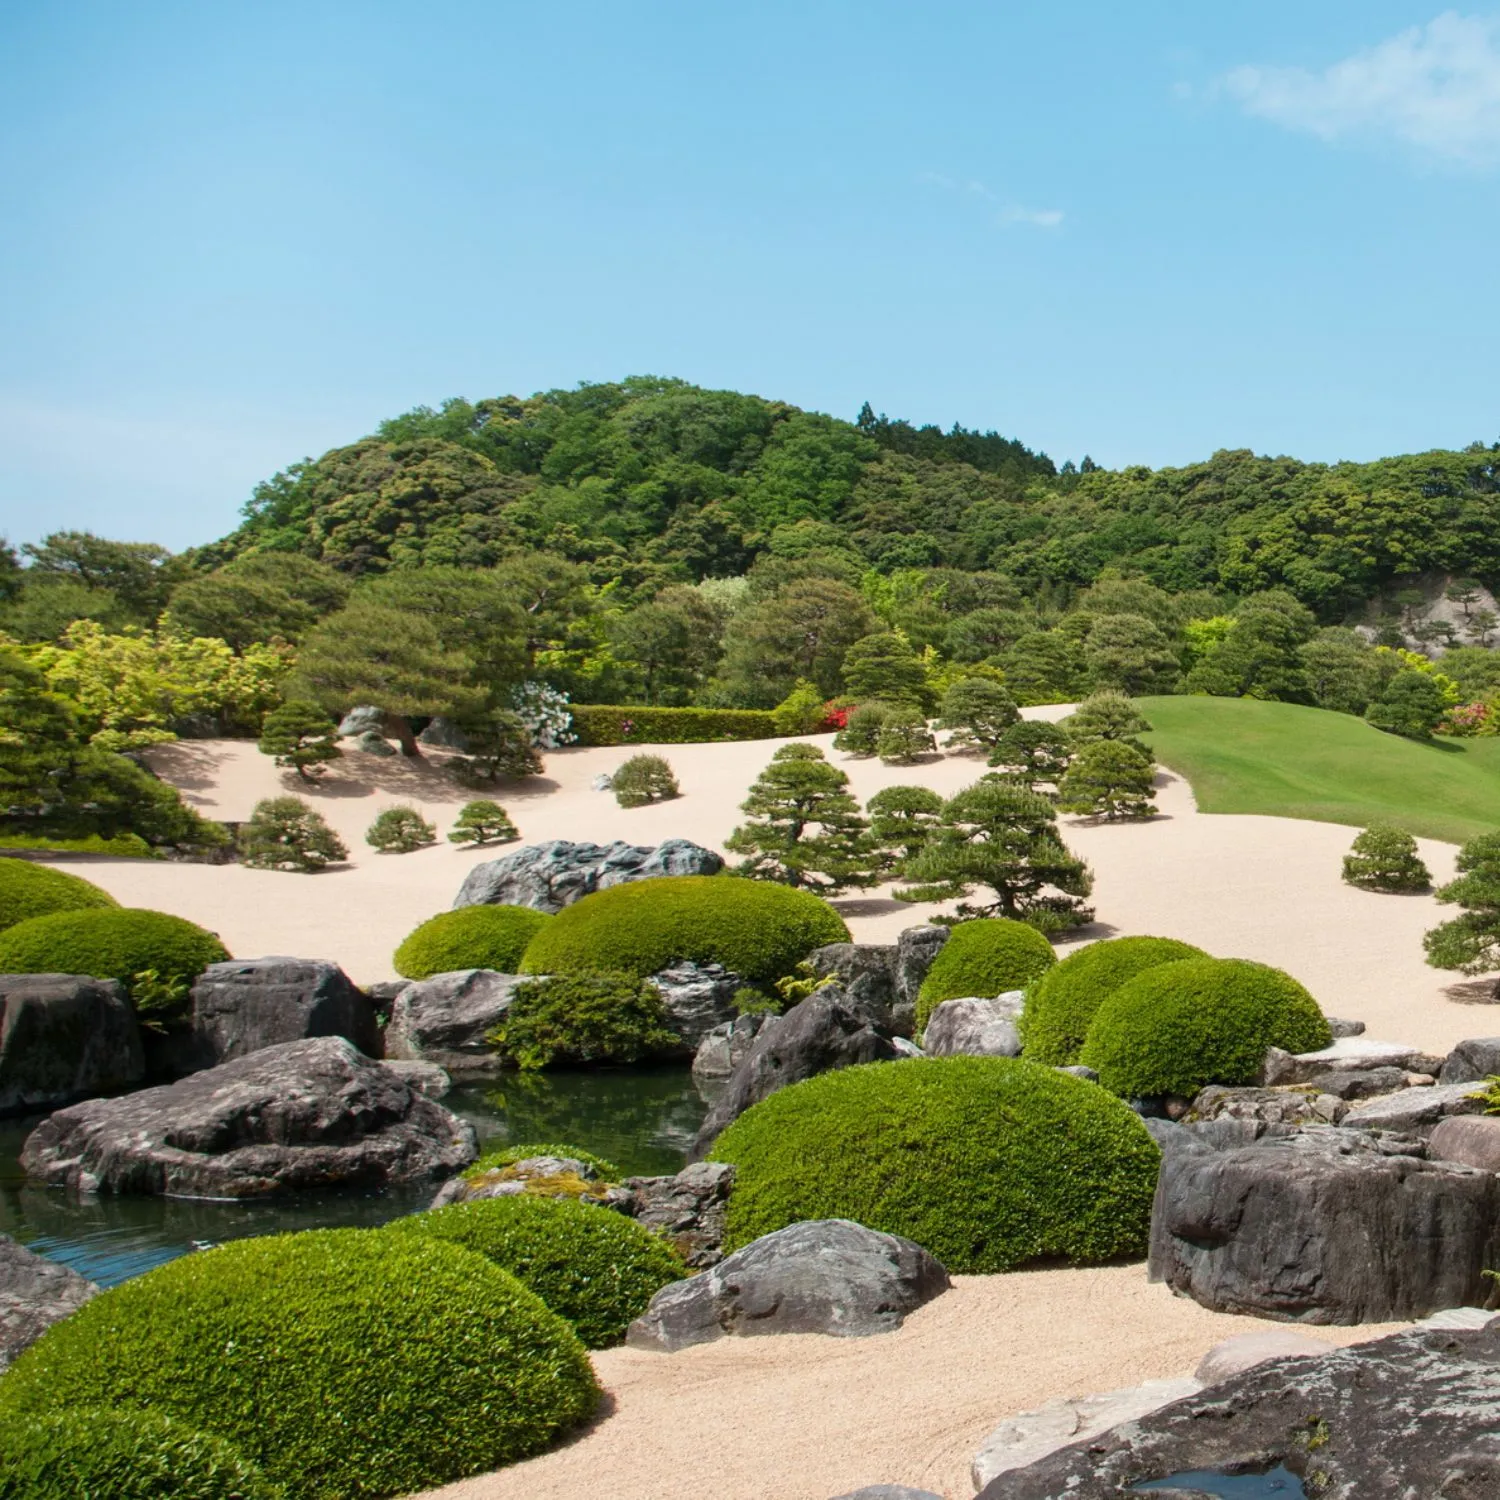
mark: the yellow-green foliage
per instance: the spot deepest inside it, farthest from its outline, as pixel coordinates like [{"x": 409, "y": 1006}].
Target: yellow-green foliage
[
  {"x": 473, "y": 937},
  {"x": 32, "y": 890},
  {"x": 508, "y": 1156},
  {"x": 985, "y": 957},
  {"x": 110, "y": 943}
]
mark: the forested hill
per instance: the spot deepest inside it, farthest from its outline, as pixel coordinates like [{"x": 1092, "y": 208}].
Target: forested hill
[{"x": 651, "y": 481}]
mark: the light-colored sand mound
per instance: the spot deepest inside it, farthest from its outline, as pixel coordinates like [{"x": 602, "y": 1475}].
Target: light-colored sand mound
[{"x": 801, "y": 1417}]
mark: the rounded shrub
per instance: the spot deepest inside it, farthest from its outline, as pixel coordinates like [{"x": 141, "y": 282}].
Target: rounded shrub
[
  {"x": 120, "y": 943},
  {"x": 644, "y": 779},
  {"x": 985, "y": 957},
  {"x": 987, "y": 1162},
  {"x": 31, "y": 890},
  {"x": 347, "y": 1364},
  {"x": 1061, "y": 1004},
  {"x": 1178, "y": 1027},
  {"x": 598, "y": 1017},
  {"x": 590, "y": 1265},
  {"x": 400, "y": 830},
  {"x": 473, "y": 937},
  {"x": 757, "y": 928},
  {"x": 88, "y": 1454}
]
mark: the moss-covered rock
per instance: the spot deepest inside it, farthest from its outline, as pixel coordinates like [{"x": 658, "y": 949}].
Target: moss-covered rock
[{"x": 473, "y": 937}]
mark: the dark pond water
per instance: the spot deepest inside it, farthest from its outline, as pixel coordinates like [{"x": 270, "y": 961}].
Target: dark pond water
[
  {"x": 1276, "y": 1484},
  {"x": 641, "y": 1119}
]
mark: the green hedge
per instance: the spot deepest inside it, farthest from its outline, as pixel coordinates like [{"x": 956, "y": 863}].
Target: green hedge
[
  {"x": 756, "y": 928},
  {"x": 110, "y": 944},
  {"x": 1062, "y": 1003},
  {"x": 1178, "y": 1027},
  {"x": 473, "y": 937},
  {"x": 120, "y": 846},
  {"x": 347, "y": 1363},
  {"x": 989, "y": 1163},
  {"x": 985, "y": 957},
  {"x": 88, "y": 1454},
  {"x": 610, "y": 724},
  {"x": 31, "y": 890},
  {"x": 590, "y": 1265}
]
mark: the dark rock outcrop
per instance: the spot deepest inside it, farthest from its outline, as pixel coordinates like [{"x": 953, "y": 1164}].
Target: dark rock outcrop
[
  {"x": 34, "y": 1294},
  {"x": 1472, "y": 1061},
  {"x": 311, "y": 1114},
  {"x": 916, "y": 948},
  {"x": 866, "y": 973},
  {"x": 697, "y": 997},
  {"x": 551, "y": 876},
  {"x": 446, "y": 1019},
  {"x": 64, "y": 1037},
  {"x": 688, "y": 1209},
  {"x": 821, "y": 1276},
  {"x": 975, "y": 1028}
]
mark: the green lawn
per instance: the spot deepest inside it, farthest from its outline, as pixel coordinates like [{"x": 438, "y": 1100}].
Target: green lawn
[{"x": 1241, "y": 756}]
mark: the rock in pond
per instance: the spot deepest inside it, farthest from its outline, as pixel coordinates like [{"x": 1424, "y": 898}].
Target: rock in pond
[
  {"x": 975, "y": 1028},
  {"x": 64, "y": 1037},
  {"x": 35, "y": 1293},
  {"x": 543, "y": 1176},
  {"x": 446, "y": 1020},
  {"x": 426, "y": 1078},
  {"x": 821, "y": 1276},
  {"x": 698, "y": 998},
  {"x": 551, "y": 876},
  {"x": 310, "y": 1114},
  {"x": 723, "y": 1049}
]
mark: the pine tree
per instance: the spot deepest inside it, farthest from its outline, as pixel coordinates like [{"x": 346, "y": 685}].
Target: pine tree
[
  {"x": 1105, "y": 716},
  {"x": 483, "y": 822},
  {"x": 978, "y": 711},
  {"x": 1384, "y": 858},
  {"x": 902, "y": 821},
  {"x": 884, "y": 666},
  {"x": 904, "y": 738},
  {"x": 1471, "y": 943},
  {"x": 285, "y": 833},
  {"x": 1033, "y": 754},
  {"x": 301, "y": 737},
  {"x": 1109, "y": 779}
]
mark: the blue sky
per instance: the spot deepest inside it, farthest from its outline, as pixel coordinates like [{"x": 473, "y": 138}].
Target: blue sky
[{"x": 235, "y": 234}]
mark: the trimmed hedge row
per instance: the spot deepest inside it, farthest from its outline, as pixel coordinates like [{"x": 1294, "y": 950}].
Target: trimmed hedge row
[
  {"x": 610, "y": 724},
  {"x": 473, "y": 937},
  {"x": 110, "y": 943},
  {"x": 983, "y": 958},
  {"x": 30, "y": 890}
]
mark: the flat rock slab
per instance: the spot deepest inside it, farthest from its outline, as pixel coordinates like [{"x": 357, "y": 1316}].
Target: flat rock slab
[
  {"x": 1346, "y": 1053},
  {"x": 1233, "y": 1356},
  {"x": 550, "y": 876},
  {"x": 1416, "y": 1108},
  {"x": 311, "y": 1114},
  {"x": 1286, "y": 1106},
  {"x": 447, "y": 1019},
  {"x": 821, "y": 1276},
  {"x": 35, "y": 1293},
  {"x": 64, "y": 1037},
  {"x": 975, "y": 1028}
]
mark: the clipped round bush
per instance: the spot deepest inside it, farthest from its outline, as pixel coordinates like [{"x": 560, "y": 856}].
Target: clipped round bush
[
  {"x": 593, "y": 1266},
  {"x": 1061, "y": 1004},
  {"x": 987, "y": 1162},
  {"x": 400, "y": 830},
  {"x": 985, "y": 957},
  {"x": 89, "y": 1454},
  {"x": 473, "y": 937},
  {"x": 343, "y": 1362},
  {"x": 642, "y": 780},
  {"x": 118, "y": 943},
  {"x": 30, "y": 890},
  {"x": 1178, "y": 1027},
  {"x": 756, "y": 928},
  {"x": 508, "y": 1156}
]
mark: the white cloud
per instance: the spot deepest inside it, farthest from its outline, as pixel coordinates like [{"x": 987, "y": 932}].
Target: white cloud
[
  {"x": 1035, "y": 218},
  {"x": 1434, "y": 87}
]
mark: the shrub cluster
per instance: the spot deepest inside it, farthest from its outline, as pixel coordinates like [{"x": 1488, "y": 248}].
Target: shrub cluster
[
  {"x": 593, "y": 1266},
  {"x": 473, "y": 937},
  {"x": 347, "y": 1364},
  {"x": 400, "y": 830},
  {"x": 31, "y": 890},
  {"x": 598, "y": 724},
  {"x": 1383, "y": 858},
  {"x": 583, "y": 1018},
  {"x": 757, "y": 929},
  {"x": 985, "y": 957},
  {"x": 644, "y": 779},
  {"x": 989, "y": 1163}
]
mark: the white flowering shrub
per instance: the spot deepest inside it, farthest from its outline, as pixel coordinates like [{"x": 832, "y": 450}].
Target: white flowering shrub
[{"x": 545, "y": 713}]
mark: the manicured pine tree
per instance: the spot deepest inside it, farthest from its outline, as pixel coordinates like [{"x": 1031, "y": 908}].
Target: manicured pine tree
[
  {"x": 1109, "y": 779},
  {"x": 904, "y": 738},
  {"x": 884, "y": 666},
  {"x": 1033, "y": 754},
  {"x": 301, "y": 737},
  {"x": 1384, "y": 858},
  {"x": 978, "y": 712},
  {"x": 1471, "y": 943},
  {"x": 483, "y": 822},
  {"x": 1105, "y": 716},
  {"x": 284, "y": 833},
  {"x": 902, "y": 821},
  {"x": 1411, "y": 705}
]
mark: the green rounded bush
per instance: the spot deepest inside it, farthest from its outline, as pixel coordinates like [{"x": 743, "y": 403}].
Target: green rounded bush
[
  {"x": 508, "y": 1156},
  {"x": 473, "y": 937},
  {"x": 987, "y": 1162},
  {"x": 110, "y": 944},
  {"x": 88, "y": 1454},
  {"x": 985, "y": 957},
  {"x": 581, "y": 1019},
  {"x": 1178, "y": 1027},
  {"x": 756, "y": 928},
  {"x": 1062, "y": 1003},
  {"x": 590, "y": 1265},
  {"x": 30, "y": 890},
  {"x": 400, "y": 830},
  {"x": 347, "y": 1363}
]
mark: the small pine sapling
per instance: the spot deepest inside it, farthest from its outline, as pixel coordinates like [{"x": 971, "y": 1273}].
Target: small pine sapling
[
  {"x": 483, "y": 822},
  {"x": 400, "y": 830},
  {"x": 1109, "y": 779},
  {"x": 1384, "y": 858},
  {"x": 300, "y": 737},
  {"x": 644, "y": 779}
]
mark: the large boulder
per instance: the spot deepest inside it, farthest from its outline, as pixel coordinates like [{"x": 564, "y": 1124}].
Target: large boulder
[
  {"x": 1322, "y": 1225},
  {"x": 1344, "y": 1054},
  {"x": 866, "y": 972},
  {"x": 548, "y": 877},
  {"x": 1472, "y": 1061},
  {"x": 1473, "y": 1140},
  {"x": 697, "y": 997},
  {"x": 820, "y": 1276},
  {"x": 916, "y": 950},
  {"x": 723, "y": 1049},
  {"x": 1417, "y": 1109},
  {"x": 1409, "y": 1417},
  {"x": 687, "y": 1209},
  {"x": 446, "y": 1020},
  {"x": 310, "y": 1114},
  {"x": 246, "y": 1004},
  {"x": 34, "y": 1294},
  {"x": 1244, "y": 1351},
  {"x": 975, "y": 1028},
  {"x": 64, "y": 1037},
  {"x": 819, "y": 1033}
]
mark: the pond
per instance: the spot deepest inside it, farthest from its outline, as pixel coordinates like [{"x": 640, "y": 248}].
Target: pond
[{"x": 641, "y": 1119}]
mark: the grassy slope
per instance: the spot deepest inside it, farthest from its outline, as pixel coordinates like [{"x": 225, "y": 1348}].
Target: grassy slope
[{"x": 1241, "y": 756}]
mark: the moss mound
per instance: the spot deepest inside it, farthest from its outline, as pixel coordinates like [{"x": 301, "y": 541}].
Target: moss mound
[
  {"x": 590, "y": 1265},
  {"x": 82, "y": 1454},
  {"x": 1063, "y": 1002},
  {"x": 985, "y": 957},
  {"x": 116, "y": 943},
  {"x": 347, "y": 1363},
  {"x": 756, "y": 928},
  {"x": 1178, "y": 1027},
  {"x": 29, "y": 890},
  {"x": 473, "y": 937},
  {"x": 987, "y": 1162},
  {"x": 508, "y": 1156}
]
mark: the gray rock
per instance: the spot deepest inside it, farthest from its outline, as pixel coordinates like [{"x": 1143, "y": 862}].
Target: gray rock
[
  {"x": 1409, "y": 1417},
  {"x": 866, "y": 972},
  {"x": 975, "y": 1028},
  {"x": 443, "y": 734},
  {"x": 364, "y": 718},
  {"x": 246, "y": 1004},
  {"x": 1340, "y": 1027},
  {"x": 697, "y": 997},
  {"x": 1458, "y": 1318},
  {"x": 820, "y": 1276},
  {"x": 888, "y": 1492},
  {"x": 371, "y": 727},
  {"x": 1244, "y": 1351},
  {"x": 35, "y": 1293},
  {"x": 529, "y": 1174},
  {"x": 916, "y": 948},
  {"x": 64, "y": 1037},
  {"x": 1414, "y": 1109},
  {"x": 603, "y": 782},
  {"x": 1078, "y": 1070},
  {"x": 551, "y": 876},
  {"x": 445, "y": 1020},
  {"x": 374, "y": 744},
  {"x": 1273, "y": 1106},
  {"x": 310, "y": 1114},
  {"x": 1322, "y": 1225},
  {"x": 383, "y": 991},
  {"x": 814, "y": 1036},
  {"x": 1366, "y": 1083},
  {"x": 687, "y": 1209},
  {"x": 1472, "y": 1061},
  {"x": 1473, "y": 1140},
  {"x": 723, "y": 1049},
  {"x": 427, "y": 1078},
  {"x": 905, "y": 1048},
  {"x": 1346, "y": 1054}
]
